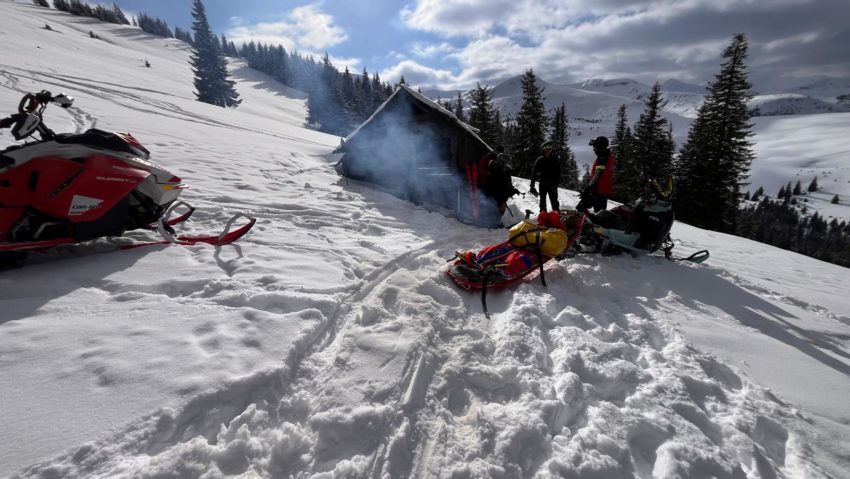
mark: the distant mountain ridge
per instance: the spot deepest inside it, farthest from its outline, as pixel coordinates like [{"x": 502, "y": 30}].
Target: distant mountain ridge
[{"x": 592, "y": 104}]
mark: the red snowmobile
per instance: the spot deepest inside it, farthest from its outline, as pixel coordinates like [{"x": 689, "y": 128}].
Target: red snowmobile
[{"x": 69, "y": 188}]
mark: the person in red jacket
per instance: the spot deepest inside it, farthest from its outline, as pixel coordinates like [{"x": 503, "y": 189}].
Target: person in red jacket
[
  {"x": 601, "y": 184},
  {"x": 484, "y": 167}
]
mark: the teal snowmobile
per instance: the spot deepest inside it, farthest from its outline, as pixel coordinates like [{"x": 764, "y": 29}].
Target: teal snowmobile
[{"x": 639, "y": 228}]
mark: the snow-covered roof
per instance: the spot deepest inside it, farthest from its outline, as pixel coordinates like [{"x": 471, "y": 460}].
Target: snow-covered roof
[{"x": 425, "y": 101}]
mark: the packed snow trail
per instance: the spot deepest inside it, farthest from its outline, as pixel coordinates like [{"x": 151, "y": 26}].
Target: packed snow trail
[{"x": 406, "y": 378}]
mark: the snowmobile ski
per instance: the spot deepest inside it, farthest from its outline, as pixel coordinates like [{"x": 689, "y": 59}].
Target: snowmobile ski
[
  {"x": 224, "y": 238},
  {"x": 177, "y": 220}
]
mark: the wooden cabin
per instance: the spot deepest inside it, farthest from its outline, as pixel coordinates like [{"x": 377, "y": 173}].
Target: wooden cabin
[{"x": 416, "y": 149}]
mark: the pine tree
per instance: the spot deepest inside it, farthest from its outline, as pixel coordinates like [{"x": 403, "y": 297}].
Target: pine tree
[
  {"x": 561, "y": 148},
  {"x": 714, "y": 163},
  {"x": 41, "y": 3},
  {"x": 364, "y": 97},
  {"x": 789, "y": 191},
  {"x": 813, "y": 186},
  {"x": 154, "y": 26},
  {"x": 498, "y": 127},
  {"x": 119, "y": 15},
  {"x": 759, "y": 192},
  {"x": 530, "y": 126},
  {"x": 797, "y": 189},
  {"x": 323, "y": 110},
  {"x": 208, "y": 63},
  {"x": 346, "y": 98},
  {"x": 781, "y": 193},
  {"x": 482, "y": 114},
  {"x": 378, "y": 97},
  {"x": 458, "y": 109},
  {"x": 625, "y": 175},
  {"x": 834, "y": 200},
  {"x": 183, "y": 35},
  {"x": 652, "y": 147}
]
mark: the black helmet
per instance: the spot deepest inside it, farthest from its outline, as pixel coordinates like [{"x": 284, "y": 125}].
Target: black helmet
[{"x": 600, "y": 142}]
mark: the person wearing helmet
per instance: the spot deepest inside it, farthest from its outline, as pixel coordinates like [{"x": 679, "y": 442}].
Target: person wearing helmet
[
  {"x": 601, "y": 183},
  {"x": 546, "y": 170}
]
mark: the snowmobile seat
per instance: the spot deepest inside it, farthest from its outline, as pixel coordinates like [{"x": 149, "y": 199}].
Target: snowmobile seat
[
  {"x": 97, "y": 139},
  {"x": 12, "y": 148},
  {"x": 612, "y": 219}
]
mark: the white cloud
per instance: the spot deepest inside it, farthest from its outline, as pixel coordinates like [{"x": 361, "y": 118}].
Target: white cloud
[
  {"x": 354, "y": 65},
  {"x": 396, "y": 55},
  {"x": 305, "y": 28},
  {"x": 417, "y": 75},
  {"x": 781, "y": 43},
  {"x": 455, "y": 17},
  {"x": 429, "y": 50},
  {"x": 570, "y": 40}
]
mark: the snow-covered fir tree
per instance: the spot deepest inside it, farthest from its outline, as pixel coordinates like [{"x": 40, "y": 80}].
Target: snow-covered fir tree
[{"x": 208, "y": 63}]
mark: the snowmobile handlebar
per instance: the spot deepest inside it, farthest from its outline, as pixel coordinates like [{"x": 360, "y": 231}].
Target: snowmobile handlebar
[
  {"x": 32, "y": 101},
  {"x": 28, "y": 119}
]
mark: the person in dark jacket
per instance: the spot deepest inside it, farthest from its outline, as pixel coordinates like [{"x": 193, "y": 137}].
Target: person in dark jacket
[
  {"x": 500, "y": 186},
  {"x": 601, "y": 184},
  {"x": 546, "y": 170}
]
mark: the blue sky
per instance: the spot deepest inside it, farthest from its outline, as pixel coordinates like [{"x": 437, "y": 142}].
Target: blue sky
[{"x": 455, "y": 43}]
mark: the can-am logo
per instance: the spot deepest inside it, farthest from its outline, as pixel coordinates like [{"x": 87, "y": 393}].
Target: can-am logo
[{"x": 81, "y": 204}]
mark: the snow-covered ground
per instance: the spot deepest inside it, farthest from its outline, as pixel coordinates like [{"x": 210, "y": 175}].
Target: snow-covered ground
[
  {"x": 800, "y": 148},
  {"x": 328, "y": 342}
]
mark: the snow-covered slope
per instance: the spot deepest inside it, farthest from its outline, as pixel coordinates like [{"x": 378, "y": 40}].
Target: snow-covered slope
[
  {"x": 792, "y": 104},
  {"x": 800, "y": 148},
  {"x": 330, "y": 343}
]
